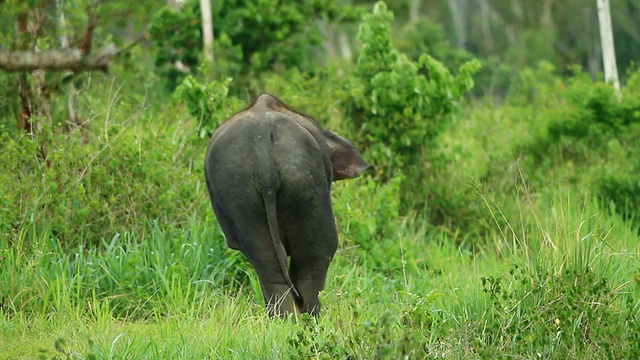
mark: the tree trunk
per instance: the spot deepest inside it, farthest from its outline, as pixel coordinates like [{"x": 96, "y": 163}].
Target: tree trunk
[
  {"x": 591, "y": 41},
  {"x": 175, "y": 5},
  {"x": 485, "y": 25},
  {"x": 327, "y": 36},
  {"x": 24, "y": 89},
  {"x": 414, "y": 10},
  {"x": 457, "y": 9},
  {"x": 345, "y": 47},
  {"x": 207, "y": 29},
  {"x": 75, "y": 120},
  {"x": 546, "y": 19},
  {"x": 606, "y": 41}
]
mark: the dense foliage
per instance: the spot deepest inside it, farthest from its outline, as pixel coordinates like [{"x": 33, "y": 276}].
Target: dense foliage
[
  {"x": 481, "y": 231},
  {"x": 253, "y": 36},
  {"x": 398, "y": 105}
]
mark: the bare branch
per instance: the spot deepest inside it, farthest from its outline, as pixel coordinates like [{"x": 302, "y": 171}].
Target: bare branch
[{"x": 57, "y": 59}]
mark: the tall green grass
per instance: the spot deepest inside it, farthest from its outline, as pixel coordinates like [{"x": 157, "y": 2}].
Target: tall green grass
[{"x": 560, "y": 283}]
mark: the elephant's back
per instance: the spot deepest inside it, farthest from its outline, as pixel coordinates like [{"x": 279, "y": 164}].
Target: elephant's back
[
  {"x": 264, "y": 147},
  {"x": 258, "y": 135}
]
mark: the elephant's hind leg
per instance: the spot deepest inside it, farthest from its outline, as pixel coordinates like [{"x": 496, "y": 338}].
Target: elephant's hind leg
[
  {"x": 256, "y": 244},
  {"x": 313, "y": 240},
  {"x": 309, "y": 280}
]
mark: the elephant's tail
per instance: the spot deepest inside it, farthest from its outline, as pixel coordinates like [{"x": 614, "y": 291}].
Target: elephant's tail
[{"x": 269, "y": 197}]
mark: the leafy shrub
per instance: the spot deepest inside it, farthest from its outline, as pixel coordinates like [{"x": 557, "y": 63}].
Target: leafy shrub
[
  {"x": 177, "y": 38},
  {"x": 579, "y": 116},
  {"x": 208, "y": 104},
  {"x": 116, "y": 183},
  {"x": 617, "y": 183},
  {"x": 368, "y": 214},
  {"x": 252, "y": 38},
  {"x": 551, "y": 133},
  {"x": 391, "y": 334},
  {"x": 399, "y": 105},
  {"x": 319, "y": 95},
  {"x": 277, "y": 35},
  {"x": 424, "y": 36},
  {"x": 585, "y": 125},
  {"x": 569, "y": 314}
]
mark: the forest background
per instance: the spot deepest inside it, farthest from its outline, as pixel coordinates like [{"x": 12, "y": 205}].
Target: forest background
[{"x": 499, "y": 216}]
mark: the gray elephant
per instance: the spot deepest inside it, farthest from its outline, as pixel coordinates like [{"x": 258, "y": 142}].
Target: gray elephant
[{"x": 269, "y": 171}]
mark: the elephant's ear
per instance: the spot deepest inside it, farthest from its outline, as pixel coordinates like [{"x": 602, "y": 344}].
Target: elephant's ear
[{"x": 345, "y": 158}]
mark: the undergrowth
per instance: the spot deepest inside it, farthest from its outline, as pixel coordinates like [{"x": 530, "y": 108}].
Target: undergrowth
[{"x": 501, "y": 232}]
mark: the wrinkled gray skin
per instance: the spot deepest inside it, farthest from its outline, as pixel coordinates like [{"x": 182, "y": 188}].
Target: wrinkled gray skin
[{"x": 269, "y": 172}]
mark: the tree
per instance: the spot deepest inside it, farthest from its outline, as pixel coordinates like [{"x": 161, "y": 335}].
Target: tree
[
  {"x": 606, "y": 41},
  {"x": 31, "y": 59},
  {"x": 207, "y": 29},
  {"x": 457, "y": 8},
  {"x": 257, "y": 35},
  {"x": 51, "y": 42}
]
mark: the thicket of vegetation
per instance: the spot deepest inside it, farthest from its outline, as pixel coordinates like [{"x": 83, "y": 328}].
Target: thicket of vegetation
[{"x": 500, "y": 217}]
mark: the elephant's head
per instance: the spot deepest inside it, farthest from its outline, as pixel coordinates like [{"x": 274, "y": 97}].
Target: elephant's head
[{"x": 346, "y": 161}]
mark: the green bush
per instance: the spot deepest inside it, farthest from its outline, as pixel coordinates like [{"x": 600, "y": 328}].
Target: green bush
[
  {"x": 368, "y": 215},
  {"x": 586, "y": 125},
  {"x": 619, "y": 189},
  {"x": 424, "y": 36},
  {"x": 568, "y": 314},
  {"x": 398, "y": 105},
  {"x": 253, "y": 38},
  {"x": 208, "y": 104},
  {"x": 392, "y": 334},
  {"x": 114, "y": 184},
  {"x": 176, "y": 37},
  {"x": 277, "y": 35},
  {"x": 399, "y": 108},
  {"x": 319, "y": 95}
]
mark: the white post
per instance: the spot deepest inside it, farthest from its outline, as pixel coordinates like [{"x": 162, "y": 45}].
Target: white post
[
  {"x": 606, "y": 41},
  {"x": 207, "y": 29}
]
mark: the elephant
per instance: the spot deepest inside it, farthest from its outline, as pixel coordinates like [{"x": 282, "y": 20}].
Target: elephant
[{"x": 268, "y": 171}]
